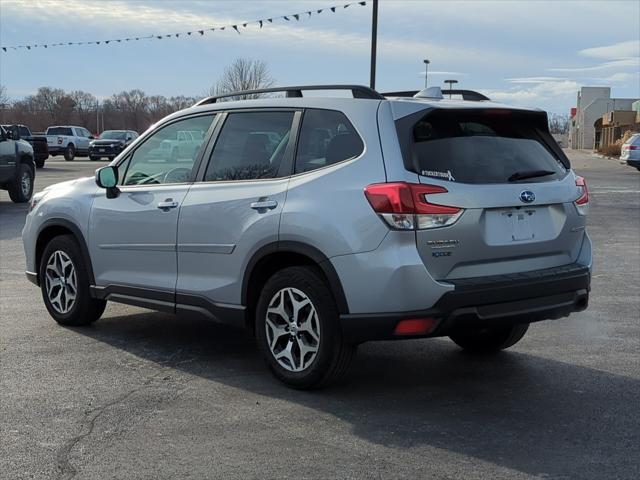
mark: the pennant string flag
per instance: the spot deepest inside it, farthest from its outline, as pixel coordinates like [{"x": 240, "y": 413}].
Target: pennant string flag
[{"x": 259, "y": 22}]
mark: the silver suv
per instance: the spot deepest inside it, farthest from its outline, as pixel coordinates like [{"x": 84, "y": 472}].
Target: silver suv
[{"x": 320, "y": 223}]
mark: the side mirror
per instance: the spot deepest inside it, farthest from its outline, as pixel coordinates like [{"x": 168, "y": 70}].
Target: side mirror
[
  {"x": 107, "y": 178},
  {"x": 13, "y": 132},
  {"x": 129, "y": 139},
  {"x": 91, "y": 137}
]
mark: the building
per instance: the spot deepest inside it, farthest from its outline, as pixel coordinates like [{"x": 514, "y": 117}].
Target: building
[
  {"x": 613, "y": 125},
  {"x": 592, "y": 103}
]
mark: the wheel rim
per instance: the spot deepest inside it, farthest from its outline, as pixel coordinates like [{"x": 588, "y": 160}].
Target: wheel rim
[
  {"x": 25, "y": 184},
  {"x": 293, "y": 329},
  {"x": 61, "y": 282}
]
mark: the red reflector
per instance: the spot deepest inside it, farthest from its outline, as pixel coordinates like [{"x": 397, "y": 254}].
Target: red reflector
[
  {"x": 415, "y": 326},
  {"x": 407, "y": 198},
  {"x": 584, "y": 198}
]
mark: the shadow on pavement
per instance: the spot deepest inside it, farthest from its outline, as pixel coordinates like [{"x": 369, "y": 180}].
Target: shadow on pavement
[{"x": 530, "y": 414}]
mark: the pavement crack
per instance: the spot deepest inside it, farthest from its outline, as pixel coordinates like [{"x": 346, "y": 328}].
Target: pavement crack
[{"x": 65, "y": 468}]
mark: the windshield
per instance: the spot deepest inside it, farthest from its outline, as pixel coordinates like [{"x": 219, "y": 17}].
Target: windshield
[
  {"x": 113, "y": 135},
  {"x": 468, "y": 146}
]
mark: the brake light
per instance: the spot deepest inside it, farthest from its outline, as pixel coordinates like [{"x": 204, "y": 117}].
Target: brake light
[
  {"x": 582, "y": 203},
  {"x": 631, "y": 147},
  {"x": 404, "y": 206}
]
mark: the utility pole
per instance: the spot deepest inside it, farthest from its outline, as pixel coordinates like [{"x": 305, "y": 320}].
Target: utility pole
[
  {"x": 374, "y": 41},
  {"x": 426, "y": 71},
  {"x": 98, "y": 117}
]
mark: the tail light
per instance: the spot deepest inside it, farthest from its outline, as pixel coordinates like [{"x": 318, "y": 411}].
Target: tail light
[
  {"x": 630, "y": 147},
  {"x": 582, "y": 203},
  {"x": 404, "y": 206}
]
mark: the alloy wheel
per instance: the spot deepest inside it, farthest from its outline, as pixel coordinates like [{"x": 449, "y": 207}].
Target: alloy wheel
[
  {"x": 61, "y": 282},
  {"x": 293, "y": 329},
  {"x": 25, "y": 184}
]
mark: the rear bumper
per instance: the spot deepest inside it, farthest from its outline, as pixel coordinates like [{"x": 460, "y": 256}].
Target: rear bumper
[
  {"x": 497, "y": 300},
  {"x": 634, "y": 162}
]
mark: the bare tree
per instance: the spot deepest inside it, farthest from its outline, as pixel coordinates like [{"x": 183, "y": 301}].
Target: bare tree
[
  {"x": 243, "y": 74},
  {"x": 559, "y": 123},
  {"x": 4, "y": 102},
  {"x": 85, "y": 107},
  {"x": 133, "y": 104}
]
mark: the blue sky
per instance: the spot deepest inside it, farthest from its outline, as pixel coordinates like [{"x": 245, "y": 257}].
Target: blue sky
[{"x": 533, "y": 53}]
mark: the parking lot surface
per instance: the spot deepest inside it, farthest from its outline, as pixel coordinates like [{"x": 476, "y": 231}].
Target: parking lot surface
[{"x": 147, "y": 395}]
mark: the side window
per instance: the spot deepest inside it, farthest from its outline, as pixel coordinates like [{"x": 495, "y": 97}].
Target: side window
[
  {"x": 161, "y": 158},
  {"x": 326, "y": 137},
  {"x": 24, "y": 131},
  {"x": 250, "y": 146}
]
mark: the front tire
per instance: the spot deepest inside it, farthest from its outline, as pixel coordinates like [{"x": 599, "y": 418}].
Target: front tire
[
  {"x": 298, "y": 330},
  {"x": 93, "y": 158},
  {"x": 21, "y": 189},
  {"x": 490, "y": 339},
  {"x": 40, "y": 163},
  {"x": 70, "y": 153},
  {"x": 64, "y": 283}
]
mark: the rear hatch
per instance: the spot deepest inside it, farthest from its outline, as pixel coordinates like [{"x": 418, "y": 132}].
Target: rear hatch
[{"x": 512, "y": 184}]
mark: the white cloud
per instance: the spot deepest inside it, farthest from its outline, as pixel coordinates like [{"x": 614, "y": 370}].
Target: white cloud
[
  {"x": 616, "y": 64},
  {"x": 550, "y": 92},
  {"x": 535, "y": 80},
  {"x": 442, "y": 72},
  {"x": 619, "y": 50}
]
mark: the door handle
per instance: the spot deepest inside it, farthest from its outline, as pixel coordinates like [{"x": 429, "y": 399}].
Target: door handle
[
  {"x": 264, "y": 204},
  {"x": 167, "y": 204}
]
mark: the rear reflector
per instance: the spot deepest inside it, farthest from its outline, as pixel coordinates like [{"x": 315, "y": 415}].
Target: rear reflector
[
  {"x": 582, "y": 203},
  {"x": 415, "y": 326},
  {"x": 404, "y": 206}
]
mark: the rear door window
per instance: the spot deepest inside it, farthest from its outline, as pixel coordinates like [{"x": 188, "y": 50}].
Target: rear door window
[
  {"x": 326, "y": 137},
  {"x": 250, "y": 146},
  {"x": 469, "y": 146},
  {"x": 59, "y": 131}
]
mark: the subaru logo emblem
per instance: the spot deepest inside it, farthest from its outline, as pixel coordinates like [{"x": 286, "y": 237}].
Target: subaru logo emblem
[{"x": 527, "y": 196}]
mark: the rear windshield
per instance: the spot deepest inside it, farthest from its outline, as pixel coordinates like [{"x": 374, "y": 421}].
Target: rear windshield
[
  {"x": 59, "y": 131},
  {"x": 486, "y": 146}
]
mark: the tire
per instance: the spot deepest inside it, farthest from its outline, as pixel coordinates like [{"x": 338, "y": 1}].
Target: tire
[
  {"x": 70, "y": 153},
  {"x": 21, "y": 188},
  {"x": 63, "y": 253},
  {"x": 491, "y": 339},
  {"x": 40, "y": 163},
  {"x": 332, "y": 356},
  {"x": 93, "y": 158}
]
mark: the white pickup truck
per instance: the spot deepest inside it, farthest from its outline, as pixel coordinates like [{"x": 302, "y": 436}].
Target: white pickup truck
[{"x": 68, "y": 141}]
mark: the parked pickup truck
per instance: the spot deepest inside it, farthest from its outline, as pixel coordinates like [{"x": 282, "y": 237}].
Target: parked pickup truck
[
  {"x": 17, "y": 168},
  {"x": 68, "y": 141},
  {"x": 38, "y": 142}
]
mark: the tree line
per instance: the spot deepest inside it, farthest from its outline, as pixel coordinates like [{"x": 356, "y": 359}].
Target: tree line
[{"x": 127, "y": 110}]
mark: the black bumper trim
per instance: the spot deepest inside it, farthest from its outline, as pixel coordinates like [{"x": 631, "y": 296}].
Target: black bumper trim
[
  {"x": 32, "y": 277},
  {"x": 497, "y": 300}
]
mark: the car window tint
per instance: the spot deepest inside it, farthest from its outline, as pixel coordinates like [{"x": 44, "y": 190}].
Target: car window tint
[
  {"x": 250, "y": 146},
  {"x": 59, "y": 131},
  {"x": 24, "y": 131},
  {"x": 168, "y": 156},
  {"x": 480, "y": 147},
  {"x": 326, "y": 137}
]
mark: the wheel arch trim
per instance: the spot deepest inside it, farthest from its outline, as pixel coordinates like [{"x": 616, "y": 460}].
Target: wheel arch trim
[
  {"x": 76, "y": 232},
  {"x": 304, "y": 249}
]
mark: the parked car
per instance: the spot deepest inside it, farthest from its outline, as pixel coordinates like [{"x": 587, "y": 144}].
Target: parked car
[
  {"x": 38, "y": 142},
  {"x": 17, "y": 165},
  {"x": 630, "y": 151},
  {"x": 373, "y": 218},
  {"x": 68, "y": 141},
  {"x": 110, "y": 143}
]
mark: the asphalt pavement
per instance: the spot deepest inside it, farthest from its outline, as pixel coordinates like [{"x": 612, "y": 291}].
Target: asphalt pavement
[{"x": 144, "y": 395}]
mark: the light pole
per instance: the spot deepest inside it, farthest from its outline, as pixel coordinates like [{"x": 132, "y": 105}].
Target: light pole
[
  {"x": 451, "y": 83},
  {"x": 426, "y": 71},
  {"x": 374, "y": 41}
]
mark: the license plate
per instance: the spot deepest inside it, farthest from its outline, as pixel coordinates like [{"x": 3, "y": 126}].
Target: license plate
[
  {"x": 101, "y": 150},
  {"x": 519, "y": 222}
]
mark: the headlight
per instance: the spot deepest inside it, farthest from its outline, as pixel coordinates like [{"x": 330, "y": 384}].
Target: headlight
[{"x": 35, "y": 200}]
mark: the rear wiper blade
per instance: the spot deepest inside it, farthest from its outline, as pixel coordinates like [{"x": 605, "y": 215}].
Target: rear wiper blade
[{"x": 530, "y": 174}]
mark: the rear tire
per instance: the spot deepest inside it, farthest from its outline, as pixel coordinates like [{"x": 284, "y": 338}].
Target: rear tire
[
  {"x": 64, "y": 283},
  {"x": 282, "y": 337},
  {"x": 40, "y": 163},
  {"x": 70, "y": 153},
  {"x": 21, "y": 188},
  {"x": 490, "y": 339}
]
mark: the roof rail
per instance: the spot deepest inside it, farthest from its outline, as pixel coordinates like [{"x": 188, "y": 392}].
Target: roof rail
[
  {"x": 469, "y": 95},
  {"x": 358, "y": 91}
]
